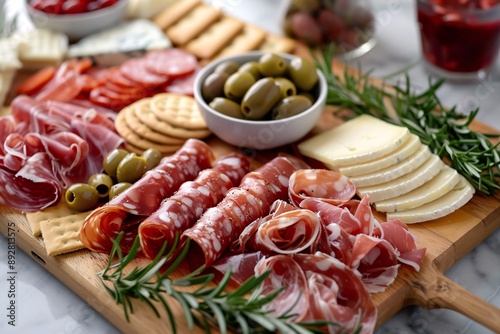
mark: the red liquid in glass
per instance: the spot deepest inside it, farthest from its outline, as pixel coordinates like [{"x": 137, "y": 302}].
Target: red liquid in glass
[{"x": 455, "y": 43}]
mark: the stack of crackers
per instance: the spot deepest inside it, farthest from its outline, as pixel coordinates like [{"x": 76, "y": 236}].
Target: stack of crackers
[{"x": 163, "y": 122}]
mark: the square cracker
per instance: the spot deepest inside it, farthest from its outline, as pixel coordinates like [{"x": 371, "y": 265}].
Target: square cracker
[
  {"x": 34, "y": 218},
  {"x": 62, "y": 235}
]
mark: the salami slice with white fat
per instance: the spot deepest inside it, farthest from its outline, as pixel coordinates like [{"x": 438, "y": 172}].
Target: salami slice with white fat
[
  {"x": 221, "y": 225},
  {"x": 137, "y": 70},
  {"x": 125, "y": 211},
  {"x": 181, "y": 210}
]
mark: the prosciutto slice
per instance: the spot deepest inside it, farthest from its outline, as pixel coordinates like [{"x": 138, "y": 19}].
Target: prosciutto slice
[
  {"x": 127, "y": 210},
  {"x": 318, "y": 287},
  {"x": 180, "y": 211},
  {"x": 221, "y": 225}
]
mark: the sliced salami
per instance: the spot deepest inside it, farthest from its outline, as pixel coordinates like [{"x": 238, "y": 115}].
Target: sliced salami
[
  {"x": 144, "y": 197},
  {"x": 180, "y": 211},
  {"x": 137, "y": 70},
  {"x": 171, "y": 62},
  {"x": 221, "y": 225}
]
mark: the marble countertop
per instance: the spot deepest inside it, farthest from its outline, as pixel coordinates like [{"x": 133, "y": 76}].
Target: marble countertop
[{"x": 45, "y": 305}]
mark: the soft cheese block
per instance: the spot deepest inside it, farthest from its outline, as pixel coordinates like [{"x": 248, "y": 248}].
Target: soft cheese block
[
  {"x": 41, "y": 48},
  {"x": 359, "y": 140},
  {"x": 438, "y": 208},
  {"x": 409, "y": 147}
]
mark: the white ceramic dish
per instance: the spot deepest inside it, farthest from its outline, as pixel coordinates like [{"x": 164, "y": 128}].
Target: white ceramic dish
[
  {"x": 76, "y": 26},
  {"x": 259, "y": 135}
]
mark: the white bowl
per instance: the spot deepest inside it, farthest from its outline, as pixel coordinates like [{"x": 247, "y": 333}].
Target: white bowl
[
  {"x": 262, "y": 134},
  {"x": 76, "y": 26}
]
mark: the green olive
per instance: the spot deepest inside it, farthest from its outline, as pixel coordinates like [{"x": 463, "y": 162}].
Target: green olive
[
  {"x": 303, "y": 73},
  {"x": 153, "y": 158},
  {"x": 252, "y": 67},
  {"x": 101, "y": 182},
  {"x": 227, "y": 107},
  {"x": 81, "y": 197},
  {"x": 112, "y": 160},
  {"x": 291, "y": 106},
  {"x": 237, "y": 85},
  {"x": 213, "y": 85},
  {"x": 118, "y": 188},
  {"x": 272, "y": 65},
  {"x": 131, "y": 168},
  {"x": 260, "y": 99},
  {"x": 228, "y": 67},
  {"x": 287, "y": 87}
]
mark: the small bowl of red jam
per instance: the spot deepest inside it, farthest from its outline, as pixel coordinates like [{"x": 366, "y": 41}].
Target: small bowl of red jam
[{"x": 459, "y": 38}]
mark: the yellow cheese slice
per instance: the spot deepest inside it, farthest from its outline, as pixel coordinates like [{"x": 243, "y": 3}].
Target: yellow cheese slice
[
  {"x": 359, "y": 140},
  {"x": 438, "y": 208},
  {"x": 405, "y": 183},
  {"x": 394, "y": 171},
  {"x": 440, "y": 185},
  {"x": 409, "y": 147}
]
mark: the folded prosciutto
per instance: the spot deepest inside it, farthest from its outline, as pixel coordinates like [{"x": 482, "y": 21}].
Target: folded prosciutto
[
  {"x": 127, "y": 210},
  {"x": 180, "y": 211}
]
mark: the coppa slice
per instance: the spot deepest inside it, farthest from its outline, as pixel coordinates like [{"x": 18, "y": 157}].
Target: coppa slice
[
  {"x": 408, "y": 148},
  {"x": 441, "y": 207},
  {"x": 440, "y": 185},
  {"x": 359, "y": 140}
]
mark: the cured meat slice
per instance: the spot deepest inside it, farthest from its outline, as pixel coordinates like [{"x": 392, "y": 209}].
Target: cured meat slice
[
  {"x": 330, "y": 186},
  {"x": 144, "y": 197},
  {"x": 397, "y": 234},
  {"x": 336, "y": 293},
  {"x": 286, "y": 274},
  {"x": 34, "y": 187},
  {"x": 376, "y": 260},
  {"x": 221, "y": 225},
  {"x": 285, "y": 232},
  {"x": 137, "y": 70},
  {"x": 242, "y": 266},
  {"x": 180, "y": 211},
  {"x": 171, "y": 62}
]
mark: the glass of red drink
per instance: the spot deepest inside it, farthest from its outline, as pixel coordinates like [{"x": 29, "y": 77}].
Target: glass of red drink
[{"x": 460, "y": 38}]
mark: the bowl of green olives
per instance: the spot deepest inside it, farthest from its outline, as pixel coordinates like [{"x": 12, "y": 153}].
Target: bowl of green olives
[{"x": 260, "y": 100}]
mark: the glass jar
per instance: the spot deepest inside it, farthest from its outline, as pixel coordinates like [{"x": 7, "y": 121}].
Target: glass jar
[
  {"x": 459, "y": 38},
  {"x": 347, "y": 24}
]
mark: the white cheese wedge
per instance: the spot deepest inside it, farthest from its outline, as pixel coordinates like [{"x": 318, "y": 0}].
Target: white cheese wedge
[
  {"x": 138, "y": 35},
  {"x": 408, "y": 148},
  {"x": 359, "y": 140},
  {"x": 438, "y": 208},
  {"x": 440, "y": 185},
  {"x": 392, "y": 172},
  {"x": 42, "y": 48},
  {"x": 405, "y": 183}
]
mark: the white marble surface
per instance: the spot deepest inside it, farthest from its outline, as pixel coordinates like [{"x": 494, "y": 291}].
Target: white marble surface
[{"x": 45, "y": 305}]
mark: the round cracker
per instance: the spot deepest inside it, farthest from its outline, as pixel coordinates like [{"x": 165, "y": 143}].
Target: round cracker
[
  {"x": 179, "y": 110},
  {"x": 144, "y": 131},
  {"x": 140, "y": 143},
  {"x": 146, "y": 116}
]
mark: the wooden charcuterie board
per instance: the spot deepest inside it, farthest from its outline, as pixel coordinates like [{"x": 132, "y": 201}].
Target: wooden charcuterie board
[{"x": 447, "y": 240}]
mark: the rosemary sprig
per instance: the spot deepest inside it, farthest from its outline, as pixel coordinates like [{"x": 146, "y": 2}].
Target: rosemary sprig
[
  {"x": 239, "y": 310},
  {"x": 445, "y": 130}
]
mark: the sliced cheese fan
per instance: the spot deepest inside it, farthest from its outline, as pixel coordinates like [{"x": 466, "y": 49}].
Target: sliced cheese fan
[{"x": 399, "y": 174}]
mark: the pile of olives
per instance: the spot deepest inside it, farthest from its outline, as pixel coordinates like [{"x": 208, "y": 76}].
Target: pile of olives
[
  {"x": 266, "y": 89},
  {"x": 121, "y": 169}
]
